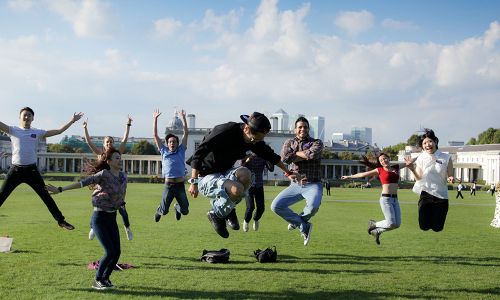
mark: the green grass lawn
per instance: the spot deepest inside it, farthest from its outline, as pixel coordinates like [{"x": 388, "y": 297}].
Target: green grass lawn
[{"x": 341, "y": 262}]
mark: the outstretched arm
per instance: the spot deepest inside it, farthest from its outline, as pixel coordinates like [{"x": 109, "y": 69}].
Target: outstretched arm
[
  {"x": 92, "y": 146},
  {"x": 123, "y": 145},
  {"x": 184, "y": 129},
  {"x": 158, "y": 142},
  {"x": 76, "y": 117},
  {"x": 361, "y": 175},
  {"x": 4, "y": 127},
  {"x": 56, "y": 190}
]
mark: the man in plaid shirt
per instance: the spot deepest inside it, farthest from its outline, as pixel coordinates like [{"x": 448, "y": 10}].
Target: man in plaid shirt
[{"x": 303, "y": 153}]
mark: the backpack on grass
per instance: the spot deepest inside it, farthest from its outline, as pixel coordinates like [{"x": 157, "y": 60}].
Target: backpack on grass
[
  {"x": 215, "y": 256},
  {"x": 267, "y": 255}
]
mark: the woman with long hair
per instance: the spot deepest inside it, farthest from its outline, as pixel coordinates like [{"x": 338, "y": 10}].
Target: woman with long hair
[
  {"x": 389, "y": 177},
  {"x": 109, "y": 185}
]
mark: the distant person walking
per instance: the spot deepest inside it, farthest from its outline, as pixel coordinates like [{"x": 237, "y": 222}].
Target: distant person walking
[
  {"x": 327, "y": 187},
  {"x": 432, "y": 170},
  {"x": 173, "y": 155},
  {"x": 496, "y": 217},
  {"x": 492, "y": 189},
  {"x": 109, "y": 185},
  {"x": 473, "y": 188},
  {"x": 24, "y": 168},
  {"x": 389, "y": 178},
  {"x": 109, "y": 142},
  {"x": 460, "y": 187}
]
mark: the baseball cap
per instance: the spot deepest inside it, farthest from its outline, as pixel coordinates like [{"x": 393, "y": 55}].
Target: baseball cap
[{"x": 257, "y": 122}]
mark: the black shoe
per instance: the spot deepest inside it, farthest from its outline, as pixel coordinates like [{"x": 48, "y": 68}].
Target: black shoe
[
  {"x": 107, "y": 283},
  {"x": 65, "y": 225},
  {"x": 157, "y": 217},
  {"x": 371, "y": 225},
  {"x": 232, "y": 220},
  {"x": 177, "y": 209},
  {"x": 218, "y": 224},
  {"x": 376, "y": 236}
]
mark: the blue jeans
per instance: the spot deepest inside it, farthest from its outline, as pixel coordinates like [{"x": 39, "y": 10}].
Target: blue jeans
[
  {"x": 212, "y": 186},
  {"x": 123, "y": 212},
  {"x": 173, "y": 190},
  {"x": 392, "y": 213},
  {"x": 106, "y": 231},
  {"x": 312, "y": 192}
]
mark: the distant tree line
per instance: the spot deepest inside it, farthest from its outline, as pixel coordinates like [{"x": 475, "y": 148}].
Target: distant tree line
[{"x": 489, "y": 136}]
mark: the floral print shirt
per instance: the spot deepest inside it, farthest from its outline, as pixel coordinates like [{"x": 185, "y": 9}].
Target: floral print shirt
[{"x": 109, "y": 191}]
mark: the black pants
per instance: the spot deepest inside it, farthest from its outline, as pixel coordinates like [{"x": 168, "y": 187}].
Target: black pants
[
  {"x": 459, "y": 194},
  {"x": 29, "y": 175},
  {"x": 473, "y": 192},
  {"x": 432, "y": 212},
  {"x": 257, "y": 194}
]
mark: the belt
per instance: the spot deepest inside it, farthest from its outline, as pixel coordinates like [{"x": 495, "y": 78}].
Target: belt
[
  {"x": 104, "y": 210},
  {"x": 25, "y": 166},
  {"x": 390, "y": 195}
]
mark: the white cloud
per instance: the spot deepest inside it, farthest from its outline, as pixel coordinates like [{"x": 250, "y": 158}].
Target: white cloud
[
  {"x": 398, "y": 25},
  {"x": 166, "y": 27},
  {"x": 89, "y": 18},
  {"x": 20, "y": 5},
  {"x": 355, "y": 22}
]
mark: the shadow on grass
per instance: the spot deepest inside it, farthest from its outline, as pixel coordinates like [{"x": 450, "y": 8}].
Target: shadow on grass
[{"x": 153, "y": 291}]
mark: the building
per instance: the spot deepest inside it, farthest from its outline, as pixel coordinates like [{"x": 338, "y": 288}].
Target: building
[
  {"x": 281, "y": 119},
  {"x": 470, "y": 163},
  {"x": 362, "y": 134},
  {"x": 317, "y": 127},
  {"x": 338, "y": 137}
]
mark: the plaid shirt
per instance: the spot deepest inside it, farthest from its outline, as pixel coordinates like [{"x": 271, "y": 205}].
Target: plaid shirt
[
  {"x": 256, "y": 165},
  {"x": 312, "y": 149}
]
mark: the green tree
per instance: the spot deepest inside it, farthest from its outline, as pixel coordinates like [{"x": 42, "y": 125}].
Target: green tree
[
  {"x": 472, "y": 141},
  {"x": 487, "y": 136},
  {"x": 143, "y": 148},
  {"x": 58, "y": 148},
  {"x": 413, "y": 140},
  {"x": 327, "y": 154}
]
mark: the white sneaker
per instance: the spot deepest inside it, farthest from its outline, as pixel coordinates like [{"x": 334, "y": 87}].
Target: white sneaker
[
  {"x": 91, "y": 234},
  {"x": 255, "y": 225},
  {"x": 129, "y": 234},
  {"x": 307, "y": 234},
  {"x": 178, "y": 214},
  {"x": 291, "y": 227},
  {"x": 245, "y": 226}
]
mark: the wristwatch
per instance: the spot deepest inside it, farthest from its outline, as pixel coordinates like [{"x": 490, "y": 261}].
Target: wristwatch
[{"x": 193, "y": 180}]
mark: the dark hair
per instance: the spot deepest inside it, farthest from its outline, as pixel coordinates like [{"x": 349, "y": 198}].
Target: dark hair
[
  {"x": 171, "y": 135},
  {"x": 370, "y": 164},
  {"x": 27, "y": 109},
  {"x": 100, "y": 164},
  {"x": 428, "y": 133},
  {"x": 301, "y": 119}
]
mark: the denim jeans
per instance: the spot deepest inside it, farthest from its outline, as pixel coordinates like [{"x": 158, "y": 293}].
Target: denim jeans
[
  {"x": 123, "y": 212},
  {"x": 312, "y": 192},
  {"x": 173, "y": 190},
  {"x": 392, "y": 213},
  {"x": 31, "y": 176},
  {"x": 212, "y": 186},
  {"x": 106, "y": 231},
  {"x": 255, "y": 198}
]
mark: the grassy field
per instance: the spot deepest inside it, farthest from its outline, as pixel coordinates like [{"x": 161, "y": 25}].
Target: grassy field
[{"x": 341, "y": 262}]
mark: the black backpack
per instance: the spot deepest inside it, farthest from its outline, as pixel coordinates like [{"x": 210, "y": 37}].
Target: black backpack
[
  {"x": 267, "y": 255},
  {"x": 215, "y": 256}
]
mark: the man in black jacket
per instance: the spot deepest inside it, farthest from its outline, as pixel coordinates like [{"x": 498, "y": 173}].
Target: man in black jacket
[{"x": 213, "y": 172}]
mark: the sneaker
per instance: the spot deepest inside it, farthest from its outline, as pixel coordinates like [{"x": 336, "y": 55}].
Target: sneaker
[
  {"x": 91, "y": 234},
  {"x": 256, "y": 225},
  {"x": 99, "y": 285},
  {"x": 371, "y": 225},
  {"x": 107, "y": 283},
  {"x": 129, "y": 234},
  {"x": 291, "y": 227},
  {"x": 376, "y": 235},
  {"x": 177, "y": 211},
  {"x": 307, "y": 234},
  {"x": 245, "y": 226},
  {"x": 232, "y": 220},
  {"x": 66, "y": 225},
  {"x": 157, "y": 217},
  {"x": 218, "y": 224}
]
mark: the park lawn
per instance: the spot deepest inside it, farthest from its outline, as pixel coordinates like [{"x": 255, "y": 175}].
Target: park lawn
[{"x": 341, "y": 262}]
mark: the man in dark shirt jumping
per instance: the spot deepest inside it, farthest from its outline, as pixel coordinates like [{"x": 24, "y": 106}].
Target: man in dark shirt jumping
[{"x": 213, "y": 172}]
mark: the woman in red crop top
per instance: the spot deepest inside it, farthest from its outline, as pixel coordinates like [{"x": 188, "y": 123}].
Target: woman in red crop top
[{"x": 389, "y": 177}]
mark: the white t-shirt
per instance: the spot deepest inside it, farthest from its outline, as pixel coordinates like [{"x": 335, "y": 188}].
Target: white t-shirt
[
  {"x": 434, "y": 174},
  {"x": 25, "y": 144}
]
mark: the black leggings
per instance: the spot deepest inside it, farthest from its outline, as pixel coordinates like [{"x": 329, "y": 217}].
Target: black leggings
[
  {"x": 432, "y": 212},
  {"x": 31, "y": 176},
  {"x": 256, "y": 193}
]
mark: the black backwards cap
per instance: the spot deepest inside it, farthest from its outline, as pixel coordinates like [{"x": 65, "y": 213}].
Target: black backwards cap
[{"x": 257, "y": 122}]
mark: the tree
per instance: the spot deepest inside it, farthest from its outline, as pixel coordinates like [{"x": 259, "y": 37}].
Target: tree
[
  {"x": 393, "y": 151},
  {"x": 327, "y": 154},
  {"x": 58, "y": 148},
  {"x": 472, "y": 141},
  {"x": 489, "y": 136},
  {"x": 143, "y": 148},
  {"x": 413, "y": 140}
]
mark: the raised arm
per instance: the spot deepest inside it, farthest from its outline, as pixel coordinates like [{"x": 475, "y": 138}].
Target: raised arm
[
  {"x": 92, "y": 146},
  {"x": 157, "y": 139},
  {"x": 361, "y": 175},
  {"x": 123, "y": 145},
  {"x": 76, "y": 117},
  {"x": 185, "y": 132},
  {"x": 4, "y": 127},
  {"x": 56, "y": 190}
]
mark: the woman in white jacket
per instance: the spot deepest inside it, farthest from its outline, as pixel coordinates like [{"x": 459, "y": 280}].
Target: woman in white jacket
[{"x": 432, "y": 170}]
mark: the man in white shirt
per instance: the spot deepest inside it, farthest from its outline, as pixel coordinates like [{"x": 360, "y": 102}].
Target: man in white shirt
[{"x": 24, "y": 169}]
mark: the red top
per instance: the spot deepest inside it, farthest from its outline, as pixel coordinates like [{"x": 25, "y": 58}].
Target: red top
[{"x": 388, "y": 177}]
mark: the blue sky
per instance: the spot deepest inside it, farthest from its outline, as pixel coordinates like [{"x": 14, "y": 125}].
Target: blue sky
[{"x": 394, "y": 66}]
